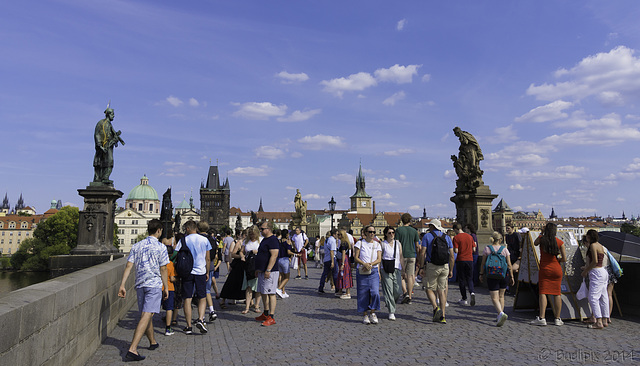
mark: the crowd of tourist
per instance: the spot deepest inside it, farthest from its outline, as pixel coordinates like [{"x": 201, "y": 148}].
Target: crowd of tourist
[{"x": 260, "y": 259}]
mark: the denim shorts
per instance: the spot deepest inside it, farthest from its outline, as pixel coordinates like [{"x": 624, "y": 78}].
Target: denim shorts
[{"x": 283, "y": 265}]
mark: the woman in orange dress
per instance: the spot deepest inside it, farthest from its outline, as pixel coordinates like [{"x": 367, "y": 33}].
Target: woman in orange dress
[{"x": 550, "y": 275}]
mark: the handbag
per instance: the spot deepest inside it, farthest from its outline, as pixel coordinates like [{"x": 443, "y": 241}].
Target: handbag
[
  {"x": 362, "y": 270},
  {"x": 582, "y": 291},
  {"x": 615, "y": 266},
  {"x": 389, "y": 265}
]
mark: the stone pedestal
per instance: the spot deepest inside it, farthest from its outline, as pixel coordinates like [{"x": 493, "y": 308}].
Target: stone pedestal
[
  {"x": 95, "y": 227},
  {"x": 474, "y": 207}
]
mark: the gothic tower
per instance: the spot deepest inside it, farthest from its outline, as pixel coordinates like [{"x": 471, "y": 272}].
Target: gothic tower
[
  {"x": 215, "y": 200},
  {"x": 361, "y": 201}
]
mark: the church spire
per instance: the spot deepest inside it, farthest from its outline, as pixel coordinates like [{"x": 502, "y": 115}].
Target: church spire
[{"x": 260, "y": 209}]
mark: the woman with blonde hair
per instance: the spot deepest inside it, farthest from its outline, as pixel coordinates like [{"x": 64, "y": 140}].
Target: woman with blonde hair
[
  {"x": 497, "y": 286},
  {"x": 345, "y": 281},
  {"x": 250, "y": 282}
]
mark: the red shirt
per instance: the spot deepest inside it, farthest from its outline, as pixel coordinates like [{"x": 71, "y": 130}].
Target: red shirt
[{"x": 465, "y": 244}]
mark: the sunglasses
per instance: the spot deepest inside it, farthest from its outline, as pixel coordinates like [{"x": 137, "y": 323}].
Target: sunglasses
[{"x": 370, "y": 232}]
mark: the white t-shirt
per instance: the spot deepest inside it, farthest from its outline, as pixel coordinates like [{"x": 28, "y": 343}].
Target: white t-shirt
[
  {"x": 368, "y": 251},
  {"x": 387, "y": 252},
  {"x": 298, "y": 241},
  {"x": 251, "y": 246},
  {"x": 198, "y": 245}
]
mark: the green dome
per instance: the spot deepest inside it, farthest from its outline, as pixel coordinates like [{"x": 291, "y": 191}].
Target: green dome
[{"x": 143, "y": 191}]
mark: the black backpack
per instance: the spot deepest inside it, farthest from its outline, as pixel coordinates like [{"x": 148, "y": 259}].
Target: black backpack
[
  {"x": 250, "y": 265},
  {"x": 439, "y": 249},
  {"x": 184, "y": 260}
]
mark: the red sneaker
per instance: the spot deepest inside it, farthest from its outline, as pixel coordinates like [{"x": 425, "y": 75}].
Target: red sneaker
[
  {"x": 268, "y": 322},
  {"x": 262, "y": 318}
]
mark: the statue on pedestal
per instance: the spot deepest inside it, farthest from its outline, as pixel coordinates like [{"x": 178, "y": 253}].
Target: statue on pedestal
[
  {"x": 467, "y": 163},
  {"x": 301, "y": 208},
  {"x": 105, "y": 138}
]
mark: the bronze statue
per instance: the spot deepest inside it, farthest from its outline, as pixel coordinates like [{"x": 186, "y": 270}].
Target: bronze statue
[
  {"x": 467, "y": 163},
  {"x": 106, "y": 138}
]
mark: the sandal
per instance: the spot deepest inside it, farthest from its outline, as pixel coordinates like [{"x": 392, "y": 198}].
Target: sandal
[
  {"x": 589, "y": 321},
  {"x": 245, "y": 311},
  {"x": 256, "y": 310},
  {"x": 593, "y": 326}
]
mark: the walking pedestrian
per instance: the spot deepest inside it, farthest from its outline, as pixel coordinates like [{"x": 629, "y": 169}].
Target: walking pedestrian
[
  {"x": 367, "y": 254},
  {"x": 391, "y": 260},
  {"x": 598, "y": 281},
  {"x": 550, "y": 274},
  {"x": 497, "y": 287}
]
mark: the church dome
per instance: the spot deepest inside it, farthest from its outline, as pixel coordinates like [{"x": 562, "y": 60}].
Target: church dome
[{"x": 143, "y": 191}]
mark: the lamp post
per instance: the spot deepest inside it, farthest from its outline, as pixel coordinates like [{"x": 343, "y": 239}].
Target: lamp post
[{"x": 332, "y": 207}]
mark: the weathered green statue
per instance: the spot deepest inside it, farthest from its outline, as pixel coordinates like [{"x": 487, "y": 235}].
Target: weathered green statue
[{"x": 106, "y": 138}]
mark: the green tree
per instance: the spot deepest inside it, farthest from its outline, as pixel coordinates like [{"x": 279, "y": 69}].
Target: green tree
[
  {"x": 141, "y": 237},
  {"x": 56, "y": 235},
  {"x": 116, "y": 242},
  {"x": 630, "y": 229}
]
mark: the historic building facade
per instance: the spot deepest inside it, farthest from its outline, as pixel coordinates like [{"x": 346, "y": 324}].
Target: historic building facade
[
  {"x": 215, "y": 200},
  {"x": 16, "y": 228},
  {"x": 141, "y": 206}
]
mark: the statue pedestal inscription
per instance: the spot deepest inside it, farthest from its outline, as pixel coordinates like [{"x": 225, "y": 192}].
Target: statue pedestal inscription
[{"x": 95, "y": 227}]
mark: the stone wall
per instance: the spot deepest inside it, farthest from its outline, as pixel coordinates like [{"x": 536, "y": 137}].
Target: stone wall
[{"x": 63, "y": 321}]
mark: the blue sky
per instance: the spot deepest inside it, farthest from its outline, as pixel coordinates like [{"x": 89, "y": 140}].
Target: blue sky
[{"x": 294, "y": 94}]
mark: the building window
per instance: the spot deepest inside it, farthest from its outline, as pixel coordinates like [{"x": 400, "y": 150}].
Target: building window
[
  {"x": 19, "y": 233},
  {"x": 24, "y": 225},
  {"x": 134, "y": 231},
  {"x": 139, "y": 206},
  {"x": 120, "y": 222},
  {"x": 1, "y": 225},
  {"x": 12, "y": 225},
  {"x": 9, "y": 251},
  {"x": 120, "y": 231},
  {"x": 134, "y": 222},
  {"x": 130, "y": 205},
  {"x": 151, "y": 207},
  {"x": 133, "y": 241}
]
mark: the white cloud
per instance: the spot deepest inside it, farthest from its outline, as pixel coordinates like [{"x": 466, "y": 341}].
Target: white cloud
[
  {"x": 312, "y": 196},
  {"x": 385, "y": 196},
  {"x": 401, "y": 24},
  {"x": 194, "y": 102},
  {"x": 502, "y": 135},
  {"x": 520, "y": 187},
  {"x": 250, "y": 171},
  {"x": 386, "y": 183},
  {"x": 450, "y": 174},
  {"x": 414, "y": 207},
  {"x": 288, "y": 78},
  {"x": 260, "y": 110},
  {"x": 176, "y": 168},
  {"x": 176, "y": 102},
  {"x": 402, "y": 176},
  {"x": 397, "y": 74},
  {"x": 319, "y": 142},
  {"x": 545, "y": 113},
  {"x": 269, "y": 152},
  {"x": 296, "y": 154},
  {"x": 608, "y": 130},
  {"x": 394, "y": 98},
  {"x": 298, "y": 116},
  {"x": 349, "y": 178},
  {"x": 562, "y": 172},
  {"x": 426, "y": 78},
  {"x": 611, "y": 77},
  {"x": 398, "y": 152},
  {"x": 354, "y": 82}
]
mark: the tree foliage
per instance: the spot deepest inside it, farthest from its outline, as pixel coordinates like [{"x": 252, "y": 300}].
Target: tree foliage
[
  {"x": 630, "y": 229},
  {"x": 56, "y": 235}
]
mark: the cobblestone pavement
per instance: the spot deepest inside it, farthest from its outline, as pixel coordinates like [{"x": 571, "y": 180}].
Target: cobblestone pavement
[{"x": 319, "y": 329}]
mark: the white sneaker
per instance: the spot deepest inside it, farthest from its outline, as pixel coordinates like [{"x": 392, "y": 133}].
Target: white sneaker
[
  {"x": 392, "y": 316},
  {"x": 503, "y": 318},
  {"x": 366, "y": 319},
  {"x": 285, "y": 295},
  {"x": 373, "y": 318},
  {"x": 558, "y": 322},
  {"x": 279, "y": 293},
  {"x": 538, "y": 321},
  {"x": 463, "y": 302},
  {"x": 345, "y": 297}
]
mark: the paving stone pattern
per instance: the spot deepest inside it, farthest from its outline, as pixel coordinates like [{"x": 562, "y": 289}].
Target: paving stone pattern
[{"x": 320, "y": 329}]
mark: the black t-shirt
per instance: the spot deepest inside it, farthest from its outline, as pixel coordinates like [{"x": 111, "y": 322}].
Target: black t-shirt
[
  {"x": 513, "y": 244},
  {"x": 284, "y": 246},
  {"x": 263, "y": 256}
]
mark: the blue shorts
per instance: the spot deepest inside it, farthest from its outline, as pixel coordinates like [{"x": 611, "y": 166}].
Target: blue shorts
[
  {"x": 149, "y": 299},
  {"x": 216, "y": 274},
  {"x": 194, "y": 286},
  {"x": 283, "y": 265},
  {"x": 168, "y": 303},
  {"x": 208, "y": 285}
]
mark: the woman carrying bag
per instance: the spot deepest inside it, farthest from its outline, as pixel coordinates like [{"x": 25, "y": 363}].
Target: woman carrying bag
[
  {"x": 391, "y": 259},
  {"x": 368, "y": 255}
]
